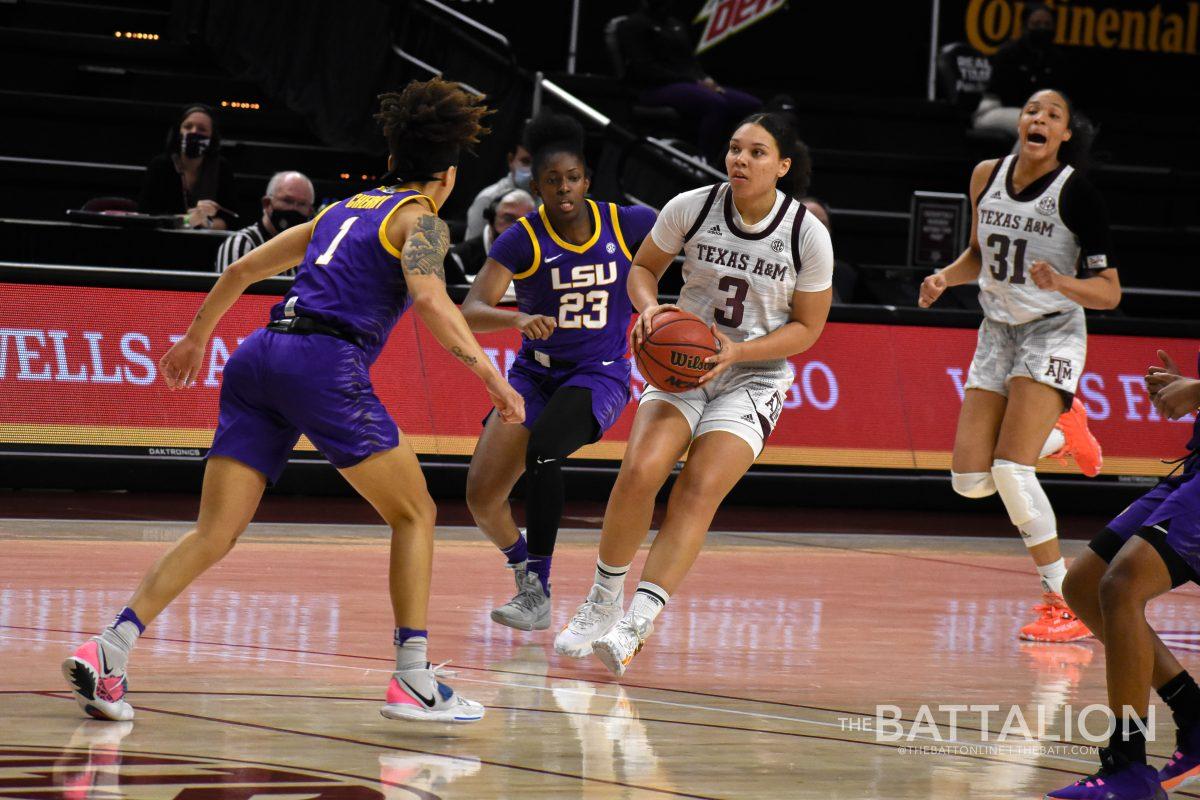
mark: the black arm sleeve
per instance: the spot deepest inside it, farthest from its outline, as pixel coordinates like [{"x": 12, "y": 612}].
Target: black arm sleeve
[{"x": 1085, "y": 214}]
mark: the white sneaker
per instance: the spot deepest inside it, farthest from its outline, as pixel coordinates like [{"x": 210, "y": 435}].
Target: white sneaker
[
  {"x": 417, "y": 694},
  {"x": 599, "y": 612},
  {"x": 529, "y": 610},
  {"x": 617, "y": 648}
]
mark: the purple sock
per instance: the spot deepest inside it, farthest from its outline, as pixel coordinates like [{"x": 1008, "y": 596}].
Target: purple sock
[
  {"x": 540, "y": 566},
  {"x": 402, "y": 635},
  {"x": 517, "y": 552},
  {"x": 127, "y": 615}
]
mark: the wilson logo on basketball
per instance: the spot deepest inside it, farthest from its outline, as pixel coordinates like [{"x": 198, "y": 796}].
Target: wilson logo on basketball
[{"x": 688, "y": 361}]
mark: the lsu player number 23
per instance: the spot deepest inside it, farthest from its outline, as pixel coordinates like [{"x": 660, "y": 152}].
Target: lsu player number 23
[
  {"x": 1041, "y": 251},
  {"x": 569, "y": 260}
]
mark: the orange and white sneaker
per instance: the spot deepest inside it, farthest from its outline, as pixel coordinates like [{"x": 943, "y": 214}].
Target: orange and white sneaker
[
  {"x": 1055, "y": 623},
  {"x": 1078, "y": 441},
  {"x": 617, "y": 648}
]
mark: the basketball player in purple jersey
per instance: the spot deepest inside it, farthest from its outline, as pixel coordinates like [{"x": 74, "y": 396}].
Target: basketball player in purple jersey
[
  {"x": 364, "y": 261},
  {"x": 570, "y": 260},
  {"x": 1150, "y": 548}
]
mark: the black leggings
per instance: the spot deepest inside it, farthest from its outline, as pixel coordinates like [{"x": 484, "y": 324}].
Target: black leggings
[{"x": 565, "y": 425}]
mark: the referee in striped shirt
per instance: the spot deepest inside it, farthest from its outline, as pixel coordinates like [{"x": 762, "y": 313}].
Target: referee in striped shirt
[{"x": 288, "y": 202}]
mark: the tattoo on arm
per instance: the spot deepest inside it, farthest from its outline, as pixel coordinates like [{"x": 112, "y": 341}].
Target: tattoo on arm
[
  {"x": 426, "y": 246},
  {"x": 463, "y": 356},
  {"x": 200, "y": 312}
]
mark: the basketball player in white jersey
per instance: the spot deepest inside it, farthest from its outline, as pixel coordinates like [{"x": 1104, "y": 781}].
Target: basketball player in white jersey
[
  {"x": 1041, "y": 251},
  {"x": 759, "y": 269}
]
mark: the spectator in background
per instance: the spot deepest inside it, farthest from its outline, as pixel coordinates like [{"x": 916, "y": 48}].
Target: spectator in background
[
  {"x": 467, "y": 257},
  {"x": 520, "y": 169},
  {"x": 1020, "y": 68},
  {"x": 288, "y": 203},
  {"x": 845, "y": 276},
  {"x": 191, "y": 177},
  {"x": 660, "y": 64}
]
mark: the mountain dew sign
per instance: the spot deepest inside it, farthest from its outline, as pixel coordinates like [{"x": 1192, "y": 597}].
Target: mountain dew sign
[{"x": 724, "y": 18}]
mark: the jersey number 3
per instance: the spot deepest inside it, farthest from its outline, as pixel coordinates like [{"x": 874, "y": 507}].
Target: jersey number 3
[
  {"x": 999, "y": 265},
  {"x": 735, "y": 305},
  {"x": 570, "y": 309}
]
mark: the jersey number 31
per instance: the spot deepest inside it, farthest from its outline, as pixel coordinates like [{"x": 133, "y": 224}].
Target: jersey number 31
[{"x": 999, "y": 266}]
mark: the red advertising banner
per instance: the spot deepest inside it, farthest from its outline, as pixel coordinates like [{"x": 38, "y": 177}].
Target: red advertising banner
[{"x": 78, "y": 372}]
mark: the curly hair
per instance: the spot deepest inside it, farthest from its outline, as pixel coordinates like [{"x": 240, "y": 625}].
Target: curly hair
[
  {"x": 549, "y": 133},
  {"x": 427, "y": 123}
]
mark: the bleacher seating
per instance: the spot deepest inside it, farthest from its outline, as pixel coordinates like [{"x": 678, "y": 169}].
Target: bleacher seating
[{"x": 86, "y": 120}]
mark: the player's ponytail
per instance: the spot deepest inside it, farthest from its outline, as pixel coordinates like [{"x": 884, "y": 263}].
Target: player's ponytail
[
  {"x": 1077, "y": 150},
  {"x": 549, "y": 133},
  {"x": 795, "y": 181},
  {"x": 426, "y": 125}
]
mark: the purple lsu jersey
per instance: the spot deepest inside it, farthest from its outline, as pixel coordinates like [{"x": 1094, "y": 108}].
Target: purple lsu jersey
[
  {"x": 351, "y": 277},
  {"x": 581, "y": 286}
]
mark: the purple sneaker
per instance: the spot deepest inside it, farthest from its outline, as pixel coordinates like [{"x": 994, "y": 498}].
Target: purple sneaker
[
  {"x": 1118, "y": 779},
  {"x": 1184, "y": 766}
]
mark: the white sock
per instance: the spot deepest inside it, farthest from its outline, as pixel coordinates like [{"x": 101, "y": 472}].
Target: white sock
[
  {"x": 1052, "y": 576},
  {"x": 648, "y": 600},
  {"x": 611, "y": 578},
  {"x": 1054, "y": 443},
  {"x": 118, "y": 640},
  {"x": 412, "y": 654}
]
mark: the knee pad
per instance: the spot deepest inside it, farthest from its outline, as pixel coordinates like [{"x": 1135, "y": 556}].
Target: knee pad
[
  {"x": 973, "y": 484},
  {"x": 1025, "y": 501}
]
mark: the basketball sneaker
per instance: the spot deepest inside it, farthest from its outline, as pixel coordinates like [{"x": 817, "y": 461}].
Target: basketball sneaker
[
  {"x": 1055, "y": 623},
  {"x": 529, "y": 610},
  {"x": 599, "y": 612},
  {"x": 99, "y": 690},
  {"x": 417, "y": 694},
  {"x": 1078, "y": 441},
  {"x": 1184, "y": 766},
  {"x": 1118, "y": 779},
  {"x": 617, "y": 648}
]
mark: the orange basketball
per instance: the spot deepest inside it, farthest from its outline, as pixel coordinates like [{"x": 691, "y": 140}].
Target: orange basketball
[{"x": 672, "y": 357}]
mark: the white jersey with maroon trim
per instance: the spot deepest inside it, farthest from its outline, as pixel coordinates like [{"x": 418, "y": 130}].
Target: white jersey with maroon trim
[
  {"x": 1013, "y": 233},
  {"x": 742, "y": 276}
]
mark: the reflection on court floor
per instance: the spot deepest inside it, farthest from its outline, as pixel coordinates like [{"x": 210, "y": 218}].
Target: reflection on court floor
[{"x": 763, "y": 680}]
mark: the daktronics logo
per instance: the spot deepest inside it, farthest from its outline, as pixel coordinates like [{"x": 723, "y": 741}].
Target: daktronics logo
[{"x": 36, "y": 354}]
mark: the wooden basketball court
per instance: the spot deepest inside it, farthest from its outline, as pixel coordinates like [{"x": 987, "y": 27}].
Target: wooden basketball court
[{"x": 266, "y": 678}]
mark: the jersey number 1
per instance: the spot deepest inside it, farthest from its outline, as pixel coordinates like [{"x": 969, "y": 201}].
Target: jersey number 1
[
  {"x": 999, "y": 265},
  {"x": 327, "y": 256}
]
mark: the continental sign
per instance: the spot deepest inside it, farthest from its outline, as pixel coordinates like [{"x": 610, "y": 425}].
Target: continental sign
[{"x": 1168, "y": 27}]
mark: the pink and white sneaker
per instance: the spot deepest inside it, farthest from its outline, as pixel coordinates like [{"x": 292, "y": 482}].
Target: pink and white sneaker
[
  {"x": 100, "y": 691},
  {"x": 417, "y": 694}
]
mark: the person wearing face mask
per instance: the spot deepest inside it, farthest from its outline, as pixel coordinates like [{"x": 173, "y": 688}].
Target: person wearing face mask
[
  {"x": 191, "y": 177},
  {"x": 468, "y": 256},
  {"x": 1019, "y": 68},
  {"x": 520, "y": 170},
  {"x": 288, "y": 203}
]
